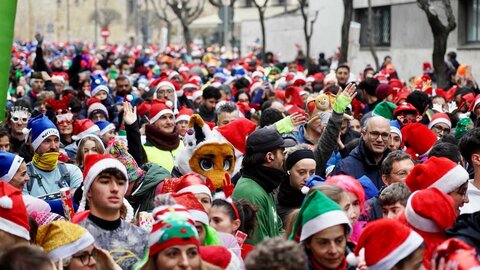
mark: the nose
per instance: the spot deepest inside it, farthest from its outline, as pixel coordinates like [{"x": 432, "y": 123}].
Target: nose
[
  {"x": 92, "y": 262},
  {"x": 114, "y": 187},
  {"x": 184, "y": 260},
  {"x": 391, "y": 215},
  {"x": 466, "y": 199}
]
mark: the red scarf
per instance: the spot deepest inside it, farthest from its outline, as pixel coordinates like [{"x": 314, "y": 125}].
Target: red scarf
[{"x": 162, "y": 140}]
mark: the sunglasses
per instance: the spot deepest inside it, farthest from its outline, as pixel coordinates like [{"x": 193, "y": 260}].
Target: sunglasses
[
  {"x": 66, "y": 117},
  {"x": 19, "y": 120}
]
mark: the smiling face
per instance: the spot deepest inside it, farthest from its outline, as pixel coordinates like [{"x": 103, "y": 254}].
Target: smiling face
[
  {"x": 178, "y": 257},
  {"x": 376, "y": 135}
]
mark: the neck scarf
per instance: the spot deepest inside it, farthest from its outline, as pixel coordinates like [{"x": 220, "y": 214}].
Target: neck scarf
[
  {"x": 162, "y": 140},
  {"x": 47, "y": 161},
  {"x": 268, "y": 178}
]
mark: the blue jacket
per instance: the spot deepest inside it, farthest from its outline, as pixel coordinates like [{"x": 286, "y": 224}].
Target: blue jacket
[{"x": 360, "y": 163}]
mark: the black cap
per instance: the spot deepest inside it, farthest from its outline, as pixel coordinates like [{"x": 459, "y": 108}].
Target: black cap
[{"x": 266, "y": 140}]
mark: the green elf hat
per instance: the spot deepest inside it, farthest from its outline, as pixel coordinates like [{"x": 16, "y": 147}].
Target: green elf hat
[
  {"x": 384, "y": 109},
  {"x": 318, "y": 213}
]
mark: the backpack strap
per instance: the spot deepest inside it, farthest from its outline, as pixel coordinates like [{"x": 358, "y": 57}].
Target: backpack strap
[
  {"x": 65, "y": 175},
  {"x": 33, "y": 175}
]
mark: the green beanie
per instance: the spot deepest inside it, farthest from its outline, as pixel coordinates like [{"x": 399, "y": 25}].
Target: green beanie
[
  {"x": 318, "y": 212},
  {"x": 384, "y": 109}
]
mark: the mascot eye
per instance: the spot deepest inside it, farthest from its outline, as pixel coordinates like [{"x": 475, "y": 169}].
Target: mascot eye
[
  {"x": 206, "y": 164},
  {"x": 227, "y": 164}
]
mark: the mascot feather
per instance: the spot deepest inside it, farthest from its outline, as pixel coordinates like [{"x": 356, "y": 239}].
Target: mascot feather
[{"x": 212, "y": 154}]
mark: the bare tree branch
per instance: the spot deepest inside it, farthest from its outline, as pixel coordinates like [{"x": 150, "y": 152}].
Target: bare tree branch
[{"x": 105, "y": 16}]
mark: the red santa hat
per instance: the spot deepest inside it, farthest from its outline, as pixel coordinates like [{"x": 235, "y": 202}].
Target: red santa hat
[
  {"x": 94, "y": 164},
  {"x": 192, "y": 182},
  {"x": 183, "y": 115},
  {"x": 254, "y": 86},
  {"x": 474, "y": 104},
  {"x": 159, "y": 108},
  {"x": 13, "y": 213},
  {"x": 257, "y": 75},
  {"x": 438, "y": 172},
  {"x": 440, "y": 118},
  {"x": 422, "y": 211},
  {"x": 236, "y": 133},
  {"x": 83, "y": 127},
  {"x": 386, "y": 242},
  {"x": 220, "y": 256},
  {"x": 195, "y": 95},
  {"x": 418, "y": 138},
  {"x": 194, "y": 207},
  {"x": 191, "y": 83}
]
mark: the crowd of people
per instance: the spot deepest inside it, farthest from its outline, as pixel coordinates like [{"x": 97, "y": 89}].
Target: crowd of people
[{"x": 120, "y": 157}]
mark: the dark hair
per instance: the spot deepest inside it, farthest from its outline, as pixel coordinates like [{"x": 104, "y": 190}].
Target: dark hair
[
  {"x": 447, "y": 150},
  {"x": 400, "y": 264},
  {"x": 270, "y": 116},
  {"x": 122, "y": 78},
  {"x": 387, "y": 56},
  {"x": 253, "y": 160},
  {"x": 113, "y": 172},
  {"x": 247, "y": 213},
  {"x": 24, "y": 257},
  {"x": 4, "y": 132},
  {"x": 277, "y": 253},
  {"x": 351, "y": 145},
  {"x": 396, "y": 192},
  {"x": 228, "y": 107},
  {"x": 367, "y": 69},
  {"x": 419, "y": 100},
  {"x": 33, "y": 229},
  {"x": 344, "y": 65},
  {"x": 332, "y": 89},
  {"x": 241, "y": 83},
  {"x": 369, "y": 85},
  {"x": 242, "y": 92},
  {"x": 75, "y": 104},
  {"x": 469, "y": 144},
  {"x": 211, "y": 92},
  {"x": 387, "y": 164}
]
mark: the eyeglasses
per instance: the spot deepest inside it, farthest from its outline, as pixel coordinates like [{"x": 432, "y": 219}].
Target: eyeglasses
[
  {"x": 440, "y": 129},
  {"x": 65, "y": 117},
  {"x": 376, "y": 134},
  {"x": 86, "y": 257},
  {"x": 19, "y": 120},
  {"x": 164, "y": 91},
  {"x": 401, "y": 173}
]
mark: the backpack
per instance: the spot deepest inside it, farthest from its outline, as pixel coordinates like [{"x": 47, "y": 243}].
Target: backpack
[{"x": 63, "y": 182}]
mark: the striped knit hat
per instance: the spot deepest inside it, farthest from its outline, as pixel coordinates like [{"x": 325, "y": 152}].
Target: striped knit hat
[{"x": 173, "y": 226}]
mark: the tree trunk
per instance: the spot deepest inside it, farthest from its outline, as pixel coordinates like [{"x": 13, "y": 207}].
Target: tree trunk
[
  {"x": 347, "y": 18},
  {"x": 188, "y": 38},
  {"x": 307, "y": 37},
  {"x": 232, "y": 27},
  {"x": 264, "y": 41},
  {"x": 370, "y": 35},
  {"x": 169, "y": 32},
  {"x": 439, "y": 50}
]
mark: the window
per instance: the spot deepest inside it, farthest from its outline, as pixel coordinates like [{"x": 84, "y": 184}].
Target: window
[
  {"x": 380, "y": 26},
  {"x": 473, "y": 20}
]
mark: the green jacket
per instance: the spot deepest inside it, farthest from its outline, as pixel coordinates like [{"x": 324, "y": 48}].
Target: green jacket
[{"x": 269, "y": 223}]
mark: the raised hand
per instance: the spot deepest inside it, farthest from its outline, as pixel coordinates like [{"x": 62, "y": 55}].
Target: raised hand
[
  {"x": 129, "y": 113},
  {"x": 297, "y": 118},
  {"x": 350, "y": 91}
]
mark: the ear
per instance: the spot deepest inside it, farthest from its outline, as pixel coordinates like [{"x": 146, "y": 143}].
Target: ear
[
  {"x": 236, "y": 224},
  {"x": 385, "y": 179},
  {"x": 475, "y": 159}
]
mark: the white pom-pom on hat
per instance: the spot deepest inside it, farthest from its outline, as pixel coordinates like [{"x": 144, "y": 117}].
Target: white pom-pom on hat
[
  {"x": 305, "y": 190},
  {"x": 6, "y": 202},
  {"x": 352, "y": 259},
  {"x": 129, "y": 98},
  {"x": 169, "y": 104}
]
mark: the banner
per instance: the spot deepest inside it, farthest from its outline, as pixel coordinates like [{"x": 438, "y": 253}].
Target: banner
[{"x": 8, "y": 9}]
